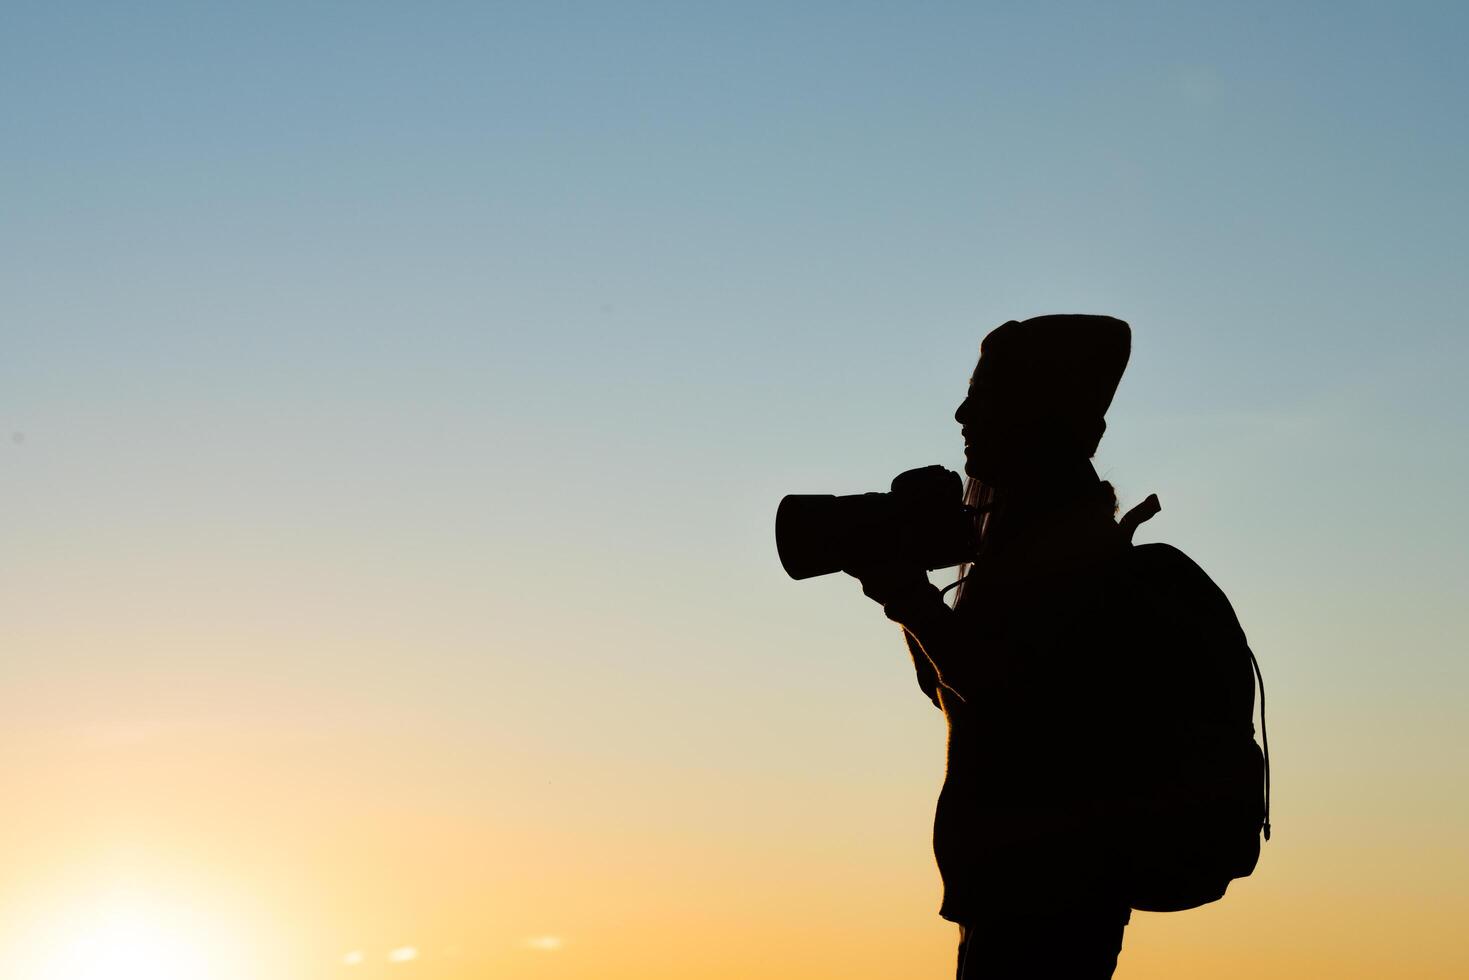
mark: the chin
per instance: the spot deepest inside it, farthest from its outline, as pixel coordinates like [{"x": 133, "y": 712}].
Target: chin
[
  {"x": 982, "y": 467},
  {"x": 977, "y": 470}
]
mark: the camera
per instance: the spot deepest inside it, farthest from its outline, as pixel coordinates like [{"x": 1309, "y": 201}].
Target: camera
[{"x": 922, "y": 520}]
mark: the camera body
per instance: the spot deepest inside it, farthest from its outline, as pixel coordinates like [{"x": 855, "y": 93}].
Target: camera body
[{"x": 922, "y": 520}]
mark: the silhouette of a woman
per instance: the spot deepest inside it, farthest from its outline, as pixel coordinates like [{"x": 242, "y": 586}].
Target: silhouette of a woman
[{"x": 1019, "y": 665}]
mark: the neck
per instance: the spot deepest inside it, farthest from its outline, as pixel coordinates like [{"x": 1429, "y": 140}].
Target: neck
[{"x": 1050, "y": 483}]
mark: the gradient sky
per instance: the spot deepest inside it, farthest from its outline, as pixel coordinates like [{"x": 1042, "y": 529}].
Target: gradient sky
[{"x": 395, "y": 398}]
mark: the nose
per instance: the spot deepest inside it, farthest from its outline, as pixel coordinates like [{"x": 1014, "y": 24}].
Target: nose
[{"x": 961, "y": 414}]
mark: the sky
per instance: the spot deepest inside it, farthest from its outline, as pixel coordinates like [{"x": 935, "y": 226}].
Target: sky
[{"x": 395, "y": 400}]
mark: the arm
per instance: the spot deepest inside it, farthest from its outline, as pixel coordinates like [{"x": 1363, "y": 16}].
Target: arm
[
  {"x": 932, "y": 631},
  {"x": 928, "y": 678},
  {"x": 942, "y": 656}
]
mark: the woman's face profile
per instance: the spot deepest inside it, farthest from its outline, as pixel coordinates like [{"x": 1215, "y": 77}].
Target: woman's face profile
[
  {"x": 1001, "y": 440},
  {"x": 984, "y": 448}
]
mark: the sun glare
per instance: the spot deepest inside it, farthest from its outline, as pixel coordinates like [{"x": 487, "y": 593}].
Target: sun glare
[
  {"x": 127, "y": 948},
  {"x": 130, "y": 940}
]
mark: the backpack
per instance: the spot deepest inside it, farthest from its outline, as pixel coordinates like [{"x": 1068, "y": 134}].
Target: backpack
[{"x": 1196, "y": 797}]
